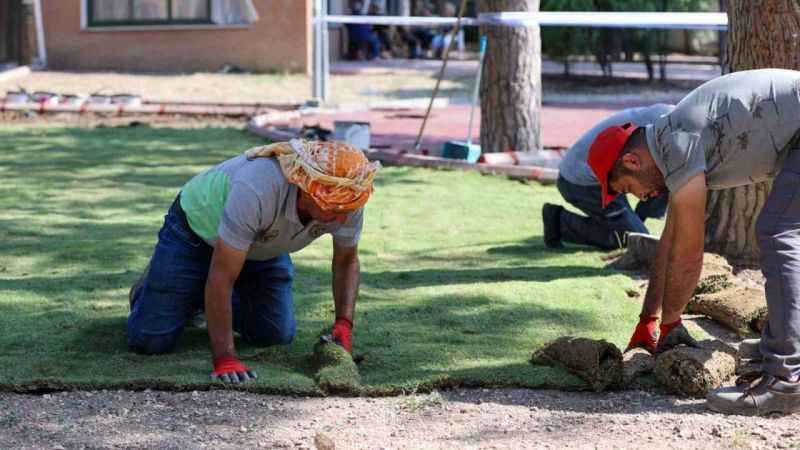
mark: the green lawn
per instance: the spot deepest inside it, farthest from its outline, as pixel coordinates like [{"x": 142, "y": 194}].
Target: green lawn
[{"x": 457, "y": 288}]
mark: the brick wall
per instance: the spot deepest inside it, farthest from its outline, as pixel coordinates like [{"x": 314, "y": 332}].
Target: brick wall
[{"x": 280, "y": 40}]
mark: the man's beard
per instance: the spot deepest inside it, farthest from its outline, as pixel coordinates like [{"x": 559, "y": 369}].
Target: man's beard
[{"x": 652, "y": 179}]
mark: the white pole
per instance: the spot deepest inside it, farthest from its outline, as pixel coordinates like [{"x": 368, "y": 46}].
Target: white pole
[
  {"x": 476, "y": 92},
  {"x": 42, "y": 48},
  {"x": 321, "y": 70}
]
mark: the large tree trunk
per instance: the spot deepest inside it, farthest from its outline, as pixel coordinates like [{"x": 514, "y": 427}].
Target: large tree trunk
[
  {"x": 761, "y": 33},
  {"x": 511, "y": 87}
]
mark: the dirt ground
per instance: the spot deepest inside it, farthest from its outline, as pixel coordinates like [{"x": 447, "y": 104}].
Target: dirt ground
[{"x": 485, "y": 418}]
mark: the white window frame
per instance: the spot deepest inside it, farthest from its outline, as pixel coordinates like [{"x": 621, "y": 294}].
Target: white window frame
[{"x": 176, "y": 27}]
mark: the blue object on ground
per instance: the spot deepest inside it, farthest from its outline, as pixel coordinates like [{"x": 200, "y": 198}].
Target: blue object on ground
[{"x": 461, "y": 150}]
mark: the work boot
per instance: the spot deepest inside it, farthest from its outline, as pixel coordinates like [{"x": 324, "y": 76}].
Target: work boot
[
  {"x": 749, "y": 349},
  {"x": 136, "y": 286},
  {"x": 551, "y": 220},
  {"x": 756, "y": 394},
  {"x": 199, "y": 320}
]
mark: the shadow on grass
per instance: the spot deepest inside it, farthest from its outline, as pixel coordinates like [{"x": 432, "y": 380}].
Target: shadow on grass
[
  {"x": 433, "y": 277},
  {"x": 534, "y": 246},
  {"x": 79, "y": 216}
]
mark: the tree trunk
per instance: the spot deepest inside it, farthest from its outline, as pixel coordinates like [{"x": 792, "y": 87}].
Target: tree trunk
[
  {"x": 511, "y": 87},
  {"x": 761, "y": 33}
]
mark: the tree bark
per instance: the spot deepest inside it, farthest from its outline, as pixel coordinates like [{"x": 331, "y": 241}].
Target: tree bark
[
  {"x": 761, "y": 33},
  {"x": 511, "y": 87}
]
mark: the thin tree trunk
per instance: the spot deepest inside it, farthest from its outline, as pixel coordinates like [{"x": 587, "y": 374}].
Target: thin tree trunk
[
  {"x": 511, "y": 87},
  {"x": 761, "y": 33}
]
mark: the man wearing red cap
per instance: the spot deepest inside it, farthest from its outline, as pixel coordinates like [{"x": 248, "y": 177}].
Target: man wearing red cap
[
  {"x": 735, "y": 130},
  {"x": 606, "y": 228}
]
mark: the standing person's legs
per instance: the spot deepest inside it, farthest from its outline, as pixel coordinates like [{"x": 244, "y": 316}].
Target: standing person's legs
[
  {"x": 778, "y": 231},
  {"x": 604, "y": 228},
  {"x": 263, "y": 310},
  {"x": 172, "y": 288}
]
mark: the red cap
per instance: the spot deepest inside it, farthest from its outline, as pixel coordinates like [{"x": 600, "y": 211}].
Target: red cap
[{"x": 604, "y": 152}]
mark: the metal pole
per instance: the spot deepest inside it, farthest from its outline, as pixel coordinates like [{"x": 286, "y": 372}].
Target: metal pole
[
  {"x": 321, "y": 69},
  {"x": 42, "y": 49},
  {"x": 445, "y": 57},
  {"x": 476, "y": 92}
]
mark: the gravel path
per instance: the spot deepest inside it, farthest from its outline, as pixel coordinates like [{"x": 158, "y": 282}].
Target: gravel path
[{"x": 485, "y": 418}]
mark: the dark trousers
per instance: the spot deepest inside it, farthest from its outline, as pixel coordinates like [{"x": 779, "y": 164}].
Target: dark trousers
[
  {"x": 778, "y": 232},
  {"x": 173, "y": 290},
  {"x": 604, "y": 228}
]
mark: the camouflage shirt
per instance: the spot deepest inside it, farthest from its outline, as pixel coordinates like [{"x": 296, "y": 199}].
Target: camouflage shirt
[{"x": 736, "y": 128}]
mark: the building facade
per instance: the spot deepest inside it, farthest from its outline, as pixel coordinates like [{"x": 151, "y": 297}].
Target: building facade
[{"x": 178, "y": 35}]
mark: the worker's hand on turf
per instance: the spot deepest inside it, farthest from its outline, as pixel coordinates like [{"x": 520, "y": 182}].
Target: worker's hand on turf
[
  {"x": 672, "y": 335},
  {"x": 644, "y": 336},
  {"x": 228, "y": 369},
  {"x": 342, "y": 333}
]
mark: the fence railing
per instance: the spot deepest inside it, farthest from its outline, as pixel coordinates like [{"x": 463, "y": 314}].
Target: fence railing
[{"x": 650, "y": 20}]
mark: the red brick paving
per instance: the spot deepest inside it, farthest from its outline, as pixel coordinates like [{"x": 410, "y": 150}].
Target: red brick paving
[{"x": 397, "y": 129}]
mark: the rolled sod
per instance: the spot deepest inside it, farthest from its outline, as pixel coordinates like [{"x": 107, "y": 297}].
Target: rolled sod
[
  {"x": 693, "y": 372},
  {"x": 336, "y": 372},
  {"x": 742, "y": 309},
  {"x": 598, "y": 362},
  {"x": 636, "y": 363}
]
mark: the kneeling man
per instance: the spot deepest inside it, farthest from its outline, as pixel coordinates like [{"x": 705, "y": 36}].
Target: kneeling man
[
  {"x": 603, "y": 227},
  {"x": 225, "y": 243}
]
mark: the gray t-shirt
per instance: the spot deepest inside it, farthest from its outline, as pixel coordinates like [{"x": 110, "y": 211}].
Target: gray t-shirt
[
  {"x": 736, "y": 128},
  {"x": 574, "y": 167},
  {"x": 251, "y": 206}
]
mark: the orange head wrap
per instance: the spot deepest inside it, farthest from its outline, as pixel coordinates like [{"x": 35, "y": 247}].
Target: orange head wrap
[{"x": 336, "y": 175}]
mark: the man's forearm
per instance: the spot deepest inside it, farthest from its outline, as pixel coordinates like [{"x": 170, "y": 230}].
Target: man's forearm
[
  {"x": 219, "y": 315},
  {"x": 346, "y": 278},
  {"x": 680, "y": 283},
  {"x": 655, "y": 287}
]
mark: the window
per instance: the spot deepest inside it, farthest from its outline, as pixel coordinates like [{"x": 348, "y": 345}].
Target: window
[{"x": 148, "y": 12}]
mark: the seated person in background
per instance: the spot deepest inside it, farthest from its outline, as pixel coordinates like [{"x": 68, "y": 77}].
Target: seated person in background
[
  {"x": 361, "y": 36},
  {"x": 382, "y": 32},
  {"x": 418, "y": 38},
  {"x": 604, "y": 228},
  {"x": 441, "y": 39}
]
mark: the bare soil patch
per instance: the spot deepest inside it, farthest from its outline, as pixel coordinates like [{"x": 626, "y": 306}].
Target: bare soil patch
[{"x": 486, "y": 418}]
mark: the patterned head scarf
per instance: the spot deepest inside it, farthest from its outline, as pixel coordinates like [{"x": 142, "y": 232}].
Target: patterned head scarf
[{"x": 336, "y": 175}]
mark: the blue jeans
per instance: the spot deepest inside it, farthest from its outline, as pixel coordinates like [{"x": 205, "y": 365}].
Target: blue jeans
[
  {"x": 173, "y": 290},
  {"x": 604, "y": 228}
]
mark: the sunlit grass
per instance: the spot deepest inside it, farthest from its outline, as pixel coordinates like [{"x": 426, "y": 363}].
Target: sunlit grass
[{"x": 457, "y": 288}]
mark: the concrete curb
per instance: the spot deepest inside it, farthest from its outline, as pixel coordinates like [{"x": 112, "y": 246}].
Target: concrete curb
[
  {"x": 543, "y": 175},
  {"x": 510, "y": 164},
  {"x": 12, "y": 74}
]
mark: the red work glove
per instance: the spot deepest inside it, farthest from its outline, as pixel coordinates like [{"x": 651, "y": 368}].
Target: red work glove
[
  {"x": 343, "y": 333},
  {"x": 228, "y": 369},
  {"x": 644, "y": 335},
  {"x": 673, "y": 334}
]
